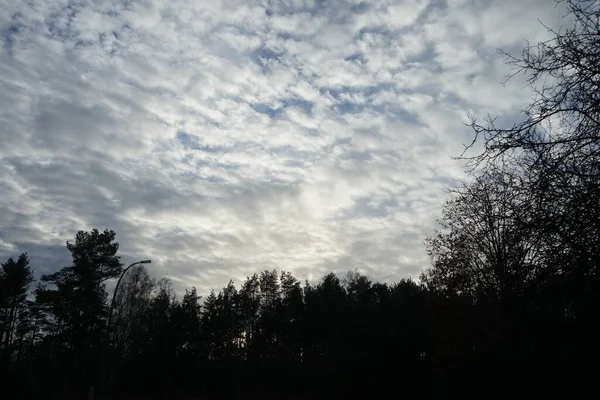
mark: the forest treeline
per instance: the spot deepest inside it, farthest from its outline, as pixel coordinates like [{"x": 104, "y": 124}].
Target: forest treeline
[
  {"x": 509, "y": 306},
  {"x": 329, "y": 335},
  {"x": 275, "y": 337}
]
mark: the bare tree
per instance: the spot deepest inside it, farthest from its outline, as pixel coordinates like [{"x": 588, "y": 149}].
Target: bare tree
[
  {"x": 556, "y": 145},
  {"x": 485, "y": 247}
]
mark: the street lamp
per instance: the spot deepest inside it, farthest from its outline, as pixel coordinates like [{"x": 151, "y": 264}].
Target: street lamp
[
  {"x": 104, "y": 366},
  {"x": 112, "y": 303}
]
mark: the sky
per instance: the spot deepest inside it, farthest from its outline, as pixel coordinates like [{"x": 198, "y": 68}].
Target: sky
[{"x": 222, "y": 138}]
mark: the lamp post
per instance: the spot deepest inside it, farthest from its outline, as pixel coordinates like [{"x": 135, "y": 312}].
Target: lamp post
[
  {"x": 112, "y": 303},
  {"x": 104, "y": 376}
]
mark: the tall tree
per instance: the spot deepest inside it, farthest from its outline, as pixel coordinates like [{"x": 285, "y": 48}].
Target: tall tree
[
  {"x": 555, "y": 150},
  {"x": 75, "y": 299},
  {"x": 556, "y": 144},
  {"x": 249, "y": 307},
  {"x": 191, "y": 310},
  {"x": 291, "y": 318},
  {"x": 270, "y": 318},
  {"x": 15, "y": 279}
]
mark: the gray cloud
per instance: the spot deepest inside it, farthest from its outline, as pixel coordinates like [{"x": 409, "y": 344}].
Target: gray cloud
[{"x": 220, "y": 138}]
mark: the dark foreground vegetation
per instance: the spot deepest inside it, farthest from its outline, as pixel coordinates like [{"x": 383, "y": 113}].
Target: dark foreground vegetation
[{"x": 508, "y": 308}]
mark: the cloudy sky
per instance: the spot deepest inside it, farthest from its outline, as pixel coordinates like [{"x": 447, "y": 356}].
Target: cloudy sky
[{"x": 221, "y": 138}]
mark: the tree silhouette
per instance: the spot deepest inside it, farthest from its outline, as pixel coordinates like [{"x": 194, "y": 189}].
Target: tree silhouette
[
  {"x": 15, "y": 278},
  {"x": 556, "y": 145},
  {"x": 486, "y": 245},
  {"x": 554, "y": 151},
  {"x": 75, "y": 300}
]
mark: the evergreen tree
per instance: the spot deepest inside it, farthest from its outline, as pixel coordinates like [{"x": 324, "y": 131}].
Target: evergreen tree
[
  {"x": 75, "y": 300},
  {"x": 15, "y": 278}
]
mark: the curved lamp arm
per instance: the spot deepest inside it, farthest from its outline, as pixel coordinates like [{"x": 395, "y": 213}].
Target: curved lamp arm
[{"x": 112, "y": 303}]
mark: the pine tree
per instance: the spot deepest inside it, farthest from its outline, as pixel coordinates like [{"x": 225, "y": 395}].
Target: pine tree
[{"x": 15, "y": 280}]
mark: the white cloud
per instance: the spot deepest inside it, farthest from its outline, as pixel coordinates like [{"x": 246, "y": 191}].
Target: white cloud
[{"x": 220, "y": 138}]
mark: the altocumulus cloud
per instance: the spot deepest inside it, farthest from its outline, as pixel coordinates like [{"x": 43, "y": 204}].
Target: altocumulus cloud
[{"x": 220, "y": 138}]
